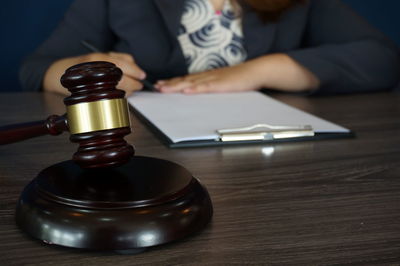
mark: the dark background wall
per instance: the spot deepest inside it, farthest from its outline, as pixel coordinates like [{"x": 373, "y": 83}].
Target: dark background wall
[{"x": 24, "y": 24}]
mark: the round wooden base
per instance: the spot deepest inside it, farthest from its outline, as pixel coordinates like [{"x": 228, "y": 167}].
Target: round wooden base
[{"x": 144, "y": 203}]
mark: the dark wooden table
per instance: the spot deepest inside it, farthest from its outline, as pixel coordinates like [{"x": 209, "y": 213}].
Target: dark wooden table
[{"x": 328, "y": 202}]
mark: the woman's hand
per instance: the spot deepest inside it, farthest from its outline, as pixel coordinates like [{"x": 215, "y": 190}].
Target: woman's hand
[
  {"x": 129, "y": 82},
  {"x": 227, "y": 79},
  {"x": 276, "y": 71}
]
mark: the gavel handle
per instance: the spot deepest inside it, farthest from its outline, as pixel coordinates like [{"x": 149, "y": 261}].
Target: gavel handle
[{"x": 53, "y": 125}]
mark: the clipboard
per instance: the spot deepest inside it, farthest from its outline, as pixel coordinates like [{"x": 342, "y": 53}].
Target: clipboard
[{"x": 181, "y": 120}]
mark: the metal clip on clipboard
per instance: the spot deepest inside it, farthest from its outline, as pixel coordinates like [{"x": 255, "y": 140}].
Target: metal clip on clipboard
[{"x": 264, "y": 132}]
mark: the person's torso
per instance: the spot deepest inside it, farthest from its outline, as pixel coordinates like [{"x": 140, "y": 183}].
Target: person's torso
[{"x": 149, "y": 29}]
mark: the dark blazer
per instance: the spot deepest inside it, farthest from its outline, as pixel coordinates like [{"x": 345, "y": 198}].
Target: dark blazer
[{"x": 325, "y": 36}]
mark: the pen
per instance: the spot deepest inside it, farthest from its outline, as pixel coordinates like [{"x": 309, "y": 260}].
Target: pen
[{"x": 94, "y": 49}]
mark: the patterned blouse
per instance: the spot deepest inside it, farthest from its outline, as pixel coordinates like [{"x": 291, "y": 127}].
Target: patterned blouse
[{"x": 210, "y": 39}]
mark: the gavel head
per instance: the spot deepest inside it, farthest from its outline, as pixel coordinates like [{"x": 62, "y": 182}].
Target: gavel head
[{"x": 97, "y": 114}]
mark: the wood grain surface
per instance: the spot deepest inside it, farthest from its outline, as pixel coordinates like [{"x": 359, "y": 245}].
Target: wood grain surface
[{"x": 329, "y": 202}]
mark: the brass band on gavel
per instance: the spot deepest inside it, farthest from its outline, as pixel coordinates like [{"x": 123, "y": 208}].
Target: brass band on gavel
[{"x": 98, "y": 115}]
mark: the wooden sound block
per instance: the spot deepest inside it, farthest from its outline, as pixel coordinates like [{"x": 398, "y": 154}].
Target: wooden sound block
[{"x": 143, "y": 203}]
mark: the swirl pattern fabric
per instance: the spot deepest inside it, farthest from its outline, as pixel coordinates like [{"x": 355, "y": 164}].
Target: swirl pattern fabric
[{"x": 210, "y": 39}]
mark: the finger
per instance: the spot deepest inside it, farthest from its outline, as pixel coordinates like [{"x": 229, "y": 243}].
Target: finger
[
  {"x": 122, "y": 56},
  {"x": 175, "y": 85},
  {"x": 129, "y": 84},
  {"x": 202, "y": 87},
  {"x": 127, "y": 64},
  {"x": 160, "y": 83},
  {"x": 124, "y": 61},
  {"x": 181, "y": 83},
  {"x": 131, "y": 69},
  {"x": 190, "y": 77},
  {"x": 171, "y": 81}
]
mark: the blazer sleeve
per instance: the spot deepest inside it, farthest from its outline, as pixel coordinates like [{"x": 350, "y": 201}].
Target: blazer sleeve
[
  {"x": 85, "y": 20},
  {"x": 345, "y": 52}
]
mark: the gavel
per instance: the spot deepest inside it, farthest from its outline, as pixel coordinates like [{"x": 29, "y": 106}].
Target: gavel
[
  {"x": 105, "y": 198},
  {"x": 97, "y": 117}
]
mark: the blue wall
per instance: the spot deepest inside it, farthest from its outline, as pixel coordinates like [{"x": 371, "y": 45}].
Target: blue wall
[
  {"x": 24, "y": 24},
  {"x": 383, "y": 14}
]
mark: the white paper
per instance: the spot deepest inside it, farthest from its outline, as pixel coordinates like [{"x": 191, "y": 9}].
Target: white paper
[{"x": 184, "y": 117}]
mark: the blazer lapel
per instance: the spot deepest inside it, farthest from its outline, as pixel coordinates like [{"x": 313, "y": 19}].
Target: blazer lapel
[
  {"x": 171, "y": 11},
  {"x": 258, "y": 36}
]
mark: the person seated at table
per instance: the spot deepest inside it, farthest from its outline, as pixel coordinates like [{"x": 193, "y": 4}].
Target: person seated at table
[{"x": 196, "y": 46}]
